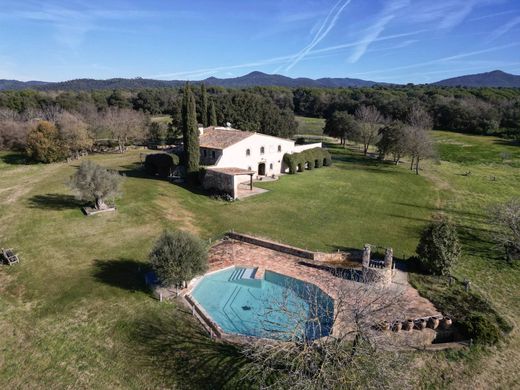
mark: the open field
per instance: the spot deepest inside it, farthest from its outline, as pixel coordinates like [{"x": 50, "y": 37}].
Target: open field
[
  {"x": 310, "y": 126},
  {"x": 75, "y": 312}
]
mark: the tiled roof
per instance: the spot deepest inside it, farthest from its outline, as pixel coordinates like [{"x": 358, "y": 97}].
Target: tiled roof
[{"x": 221, "y": 137}]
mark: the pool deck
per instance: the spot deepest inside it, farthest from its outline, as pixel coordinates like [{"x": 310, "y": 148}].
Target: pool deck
[{"x": 236, "y": 253}]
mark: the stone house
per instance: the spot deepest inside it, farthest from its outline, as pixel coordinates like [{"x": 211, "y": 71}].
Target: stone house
[{"x": 232, "y": 156}]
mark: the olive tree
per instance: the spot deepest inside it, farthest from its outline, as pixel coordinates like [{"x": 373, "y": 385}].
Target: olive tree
[
  {"x": 177, "y": 257},
  {"x": 94, "y": 183},
  {"x": 506, "y": 218},
  {"x": 439, "y": 247}
]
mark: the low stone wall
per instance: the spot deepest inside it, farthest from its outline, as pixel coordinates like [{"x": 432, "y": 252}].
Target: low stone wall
[
  {"x": 331, "y": 257},
  {"x": 219, "y": 181},
  {"x": 290, "y": 250},
  {"x": 381, "y": 276}
]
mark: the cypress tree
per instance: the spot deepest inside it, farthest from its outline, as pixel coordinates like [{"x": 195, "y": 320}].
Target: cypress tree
[
  {"x": 212, "y": 114},
  {"x": 190, "y": 135},
  {"x": 204, "y": 113}
]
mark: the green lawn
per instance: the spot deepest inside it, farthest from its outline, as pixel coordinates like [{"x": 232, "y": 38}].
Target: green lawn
[
  {"x": 310, "y": 126},
  {"x": 75, "y": 312}
]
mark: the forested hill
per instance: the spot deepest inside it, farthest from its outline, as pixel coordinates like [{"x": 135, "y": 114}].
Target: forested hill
[
  {"x": 253, "y": 79},
  {"x": 496, "y": 78}
]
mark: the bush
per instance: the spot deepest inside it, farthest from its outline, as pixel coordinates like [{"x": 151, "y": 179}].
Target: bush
[
  {"x": 177, "y": 257},
  {"x": 44, "y": 143},
  {"x": 481, "y": 329},
  {"x": 161, "y": 164},
  {"x": 439, "y": 247},
  {"x": 314, "y": 158}
]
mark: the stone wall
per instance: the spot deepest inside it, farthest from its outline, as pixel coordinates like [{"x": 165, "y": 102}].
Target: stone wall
[
  {"x": 219, "y": 181},
  {"x": 377, "y": 272},
  {"x": 272, "y": 245}
]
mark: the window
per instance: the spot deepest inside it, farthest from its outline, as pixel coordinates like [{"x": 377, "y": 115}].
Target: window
[
  {"x": 262, "y": 150},
  {"x": 205, "y": 152},
  {"x": 279, "y": 148},
  {"x": 248, "y": 152},
  {"x": 213, "y": 154},
  {"x": 249, "y": 168},
  {"x": 271, "y": 166}
]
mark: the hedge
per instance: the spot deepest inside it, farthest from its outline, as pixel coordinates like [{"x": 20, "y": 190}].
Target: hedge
[
  {"x": 160, "y": 164},
  {"x": 308, "y": 159}
]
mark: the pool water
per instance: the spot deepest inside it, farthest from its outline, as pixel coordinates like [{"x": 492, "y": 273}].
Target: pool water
[{"x": 277, "y": 306}]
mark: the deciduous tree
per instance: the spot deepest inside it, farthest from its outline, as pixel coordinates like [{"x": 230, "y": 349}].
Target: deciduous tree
[
  {"x": 370, "y": 120},
  {"x": 341, "y": 125},
  {"x": 44, "y": 143},
  {"x": 506, "y": 219}
]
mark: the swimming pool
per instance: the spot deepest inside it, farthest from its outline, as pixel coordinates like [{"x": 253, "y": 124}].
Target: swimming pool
[{"x": 277, "y": 306}]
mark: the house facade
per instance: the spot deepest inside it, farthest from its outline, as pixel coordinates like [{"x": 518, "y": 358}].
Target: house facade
[
  {"x": 222, "y": 147},
  {"x": 233, "y": 157}
]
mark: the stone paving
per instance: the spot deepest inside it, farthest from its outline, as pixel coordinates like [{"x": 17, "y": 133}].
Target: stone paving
[{"x": 229, "y": 252}]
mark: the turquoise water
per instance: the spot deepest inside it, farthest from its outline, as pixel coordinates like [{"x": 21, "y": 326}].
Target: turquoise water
[{"x": 278, "y": 306}]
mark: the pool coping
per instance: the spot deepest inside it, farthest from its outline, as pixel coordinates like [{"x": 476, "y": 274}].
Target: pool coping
[{"x": 212, "y": 327}]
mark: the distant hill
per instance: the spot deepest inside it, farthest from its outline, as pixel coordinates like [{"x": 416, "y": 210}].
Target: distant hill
[
  {"x": 496, "y": 78},
  {"x": 252, "y": 79}
]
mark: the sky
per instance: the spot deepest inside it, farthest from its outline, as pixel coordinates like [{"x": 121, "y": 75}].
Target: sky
[{"x": 398, "y": 41}]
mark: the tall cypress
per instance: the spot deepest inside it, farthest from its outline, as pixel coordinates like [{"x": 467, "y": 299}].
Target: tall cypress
[
  {"x": 204, "y": 114},
  {"x": 190, "y": 135},
  {"x": 212, "y": 114}
]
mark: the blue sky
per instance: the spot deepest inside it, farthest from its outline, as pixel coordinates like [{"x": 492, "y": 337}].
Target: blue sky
[{"x": 384, "y": 40}]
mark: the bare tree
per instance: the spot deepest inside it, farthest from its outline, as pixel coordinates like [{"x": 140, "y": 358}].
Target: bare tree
[
  {"x": 418, "y": 140},
  {"x": 74, "y": 132},
  {"x": 308, "y": 356},
  {"x": 506, "y": 218},
  {"x": 370, "y": 120},
  {"x": 125, "y": 125}
]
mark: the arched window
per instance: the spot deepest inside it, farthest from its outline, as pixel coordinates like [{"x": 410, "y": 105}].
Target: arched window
[
  {"x": 279, "y": 148},
  {"x": 271, "y": 166},
  {"x": 262, "y": 150},
  {"x": 248, "y": 152}
]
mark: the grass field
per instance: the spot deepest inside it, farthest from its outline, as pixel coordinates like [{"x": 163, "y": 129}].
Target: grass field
[
  {"x": 75, "y": 312},
  {"x": 310, "y": 126}
]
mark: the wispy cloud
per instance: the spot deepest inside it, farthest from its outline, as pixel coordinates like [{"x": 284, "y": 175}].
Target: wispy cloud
[
  {"x": 504, "y": 29},
  {"x": 327, "y": 25},
  {"x": 440, "y": 60},
  {"x": 71, "y": 23}
]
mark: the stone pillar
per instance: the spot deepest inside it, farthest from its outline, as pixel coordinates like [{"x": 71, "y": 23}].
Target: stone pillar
[
  {"x": 366, "y": 255},
  {"x": 389, "y": 257}
]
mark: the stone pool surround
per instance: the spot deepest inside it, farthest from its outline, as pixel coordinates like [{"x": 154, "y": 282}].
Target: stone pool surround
[{"x": 269, "y": 255}]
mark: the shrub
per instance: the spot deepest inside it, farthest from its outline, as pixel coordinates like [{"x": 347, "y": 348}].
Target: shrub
[
  {"x": 160, "y": 164},
  {"x": 44, "y": 143},
  {"x": 177, "y": 257},
  {"x": 481, "y": 329},
  {"x": 309, "y": 157},
  {"x": 439, "y": 247}
]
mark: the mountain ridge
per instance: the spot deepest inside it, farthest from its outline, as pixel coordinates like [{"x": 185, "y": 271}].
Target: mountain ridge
[{"x": 496, "y": 78}]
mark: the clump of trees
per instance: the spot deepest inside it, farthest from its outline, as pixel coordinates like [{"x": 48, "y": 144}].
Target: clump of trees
[
  {"x": 439, "y": 247},
  {"x": 308, "y": 159},
  {"x": 177, "y": 257},
  {"x": 505, "y": 217},
  {"x": 94, "y": 183},
  {"x": 125, "y": 125},
  {"x": 341, "y": 125},
  {"x": 44, "y": 143}
]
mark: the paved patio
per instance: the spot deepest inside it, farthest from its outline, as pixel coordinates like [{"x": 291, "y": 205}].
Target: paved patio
[{"x": 229, "y": 252}]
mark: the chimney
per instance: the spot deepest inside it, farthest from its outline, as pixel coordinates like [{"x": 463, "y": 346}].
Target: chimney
[{"x": 201, "y": 129}]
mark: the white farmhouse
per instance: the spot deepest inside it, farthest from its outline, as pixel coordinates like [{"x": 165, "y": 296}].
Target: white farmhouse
[{"x": 240, "y": 155}]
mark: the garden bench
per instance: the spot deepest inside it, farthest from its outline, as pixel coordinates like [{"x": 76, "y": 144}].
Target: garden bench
[{"x": 10, "y": 256}]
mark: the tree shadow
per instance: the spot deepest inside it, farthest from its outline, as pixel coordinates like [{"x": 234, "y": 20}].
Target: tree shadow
[
  {"x": 15, "y": 159},
  {"x": 123, "y": 273},
  {"x": 183, "y": 352},
  {"x": 55, "y": 202}
]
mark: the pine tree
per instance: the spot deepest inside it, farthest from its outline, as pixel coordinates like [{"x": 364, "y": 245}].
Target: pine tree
[
  {"x": 212, "y": 114},
  {"x": 204, "y": 113},
  {"x": 190, "y": 135}
]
